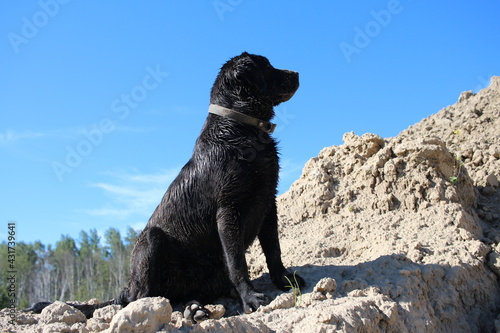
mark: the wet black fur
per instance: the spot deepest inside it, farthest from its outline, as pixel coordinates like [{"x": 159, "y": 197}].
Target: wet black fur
[{"x": 193, "y": 246}]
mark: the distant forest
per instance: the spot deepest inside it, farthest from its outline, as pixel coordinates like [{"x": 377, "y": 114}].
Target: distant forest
[{"x": 75, "y": 270}]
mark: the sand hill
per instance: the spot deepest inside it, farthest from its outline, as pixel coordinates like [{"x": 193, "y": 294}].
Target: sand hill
[{"x": 392, "y": 235}]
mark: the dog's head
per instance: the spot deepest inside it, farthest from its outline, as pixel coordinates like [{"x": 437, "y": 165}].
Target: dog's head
[{"x": 250, "y": 84}]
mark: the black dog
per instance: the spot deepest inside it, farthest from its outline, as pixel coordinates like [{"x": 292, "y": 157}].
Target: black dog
[{"x": 193, "y": 246}]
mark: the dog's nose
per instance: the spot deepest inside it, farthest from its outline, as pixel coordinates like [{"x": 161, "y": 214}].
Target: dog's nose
[
  {"x": 292, "y": 77},
  {"x": 290, "y": 72}
]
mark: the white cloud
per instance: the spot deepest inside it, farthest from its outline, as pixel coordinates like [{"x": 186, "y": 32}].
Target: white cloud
[
  {"x": 11, "y": 136},
  {"x": 132, "y": 194},
  {"x": 81, "y": 131}
]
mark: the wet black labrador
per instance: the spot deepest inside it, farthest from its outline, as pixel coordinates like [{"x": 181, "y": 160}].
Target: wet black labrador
[{"x": 193, "y": 247}]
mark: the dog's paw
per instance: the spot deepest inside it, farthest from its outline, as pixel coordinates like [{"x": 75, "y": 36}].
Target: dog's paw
[
  {"x": 288, "y": 281},
  {"x": 253, "y": 300},
  {"x": 195, "y": 312}
]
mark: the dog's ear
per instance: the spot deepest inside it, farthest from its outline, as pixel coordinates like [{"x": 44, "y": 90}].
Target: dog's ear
[{"x": 249, "y": 74}]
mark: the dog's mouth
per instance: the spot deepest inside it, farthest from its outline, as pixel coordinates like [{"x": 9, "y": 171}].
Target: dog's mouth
[{"x": 286, "y": 96}]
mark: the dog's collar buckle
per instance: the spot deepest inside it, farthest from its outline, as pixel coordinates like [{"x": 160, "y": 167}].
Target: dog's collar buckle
[
  {"x": 266, "y": 126},
  {"x": 263, "y": 125}
]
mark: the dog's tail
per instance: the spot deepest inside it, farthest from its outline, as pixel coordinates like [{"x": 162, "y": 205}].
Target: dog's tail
[{"x": 87, "y": 309}]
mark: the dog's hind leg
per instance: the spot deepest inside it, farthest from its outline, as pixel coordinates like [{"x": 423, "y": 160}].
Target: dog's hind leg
[
  {"x": 160, "y": 267},
  {"x": 148, "y": 267}
]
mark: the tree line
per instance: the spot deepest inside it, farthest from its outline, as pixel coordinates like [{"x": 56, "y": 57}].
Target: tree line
[{"x": 72, "y": 270}]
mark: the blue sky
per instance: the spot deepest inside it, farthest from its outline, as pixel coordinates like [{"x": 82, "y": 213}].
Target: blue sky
[{"x": 101, "y": 103}]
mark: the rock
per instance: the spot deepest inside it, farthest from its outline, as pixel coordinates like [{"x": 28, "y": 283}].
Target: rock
[
  {"x": 477, "y": 158},
  {"x": 326, "y": 285},
  {"x": 494, "y": 262},
  {"x": 492, "y": 180},
  {"x": 62, "y": 312},
  {"x": 145, "y": 315},
  {"x": 93, "y": 301},
  {"x": 309, "y": 298},
  {"x": 25, "y": 319},
  {"x": 216, "y": 311},
  {"x": 465, "y": 95},
  {"x": 102, "y": 317},
  {"x": 283, "y": 301},
  {"x": 63, "y": 328},
  {"x": 494, "y": 151},
  {"x": 234, "y": 324},
  {"x": 178, "y": 320},
  {"x": 107, "y": 313}
]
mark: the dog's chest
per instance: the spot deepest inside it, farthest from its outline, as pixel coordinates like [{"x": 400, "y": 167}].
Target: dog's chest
[{"x": 264, "y": 164}]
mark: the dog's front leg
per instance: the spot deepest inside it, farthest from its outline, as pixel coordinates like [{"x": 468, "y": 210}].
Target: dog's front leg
[
  {"x": 231, "y": 237},
  {"x": 269, "y": 240}
]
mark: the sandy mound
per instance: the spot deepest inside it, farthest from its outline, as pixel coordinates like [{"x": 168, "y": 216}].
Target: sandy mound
[{"x": 391, "y": 235}]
